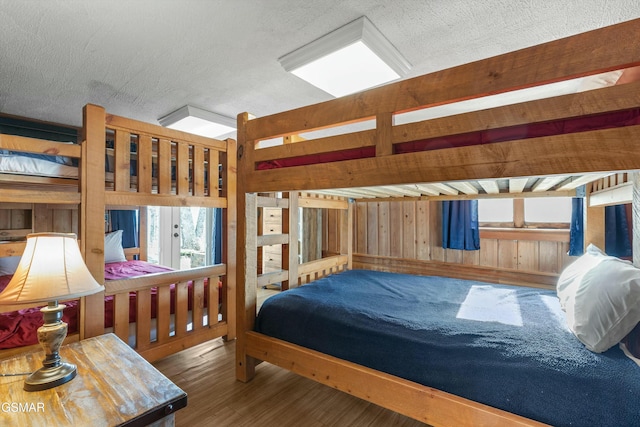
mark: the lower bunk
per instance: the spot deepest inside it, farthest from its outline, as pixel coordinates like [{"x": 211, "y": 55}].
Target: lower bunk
[
  {"x": 446, "y": 351},
  {"x": 157, "y": 310}
]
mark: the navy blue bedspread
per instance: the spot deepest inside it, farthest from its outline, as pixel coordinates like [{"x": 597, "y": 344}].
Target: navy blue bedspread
[{"x": 504, "y": 346}]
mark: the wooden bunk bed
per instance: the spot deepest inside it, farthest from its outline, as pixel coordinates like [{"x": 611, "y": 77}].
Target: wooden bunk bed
[
  {"x": 165, "y": 311},
  {"x": 377, "y": 160}
]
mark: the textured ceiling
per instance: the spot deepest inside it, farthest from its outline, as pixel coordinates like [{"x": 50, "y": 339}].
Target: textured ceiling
[{"x": 145, "y": 58}]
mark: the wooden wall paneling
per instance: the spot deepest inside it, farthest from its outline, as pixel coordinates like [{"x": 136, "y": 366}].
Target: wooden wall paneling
[
  {"x": 19, "y": 219},
  {"x": 372, "y": 228},
  {"x": 384, "y": 242},
  {"x": 488, "y": 253},
  {"x": 549, "y": 257},
  {"x": 435, "y": 232},
  {"x": 471, "y": 257},
  {"x": 5, "y": 218},
  {"x": 423, "y": 245},
  {"x": 360, "y": 227},
  {"x": 41, "y": 218},
  {"x": 409, "y": 238},
  {"x": 395, "y": 229},
  {"x": 508, "y": 254},
  {"x": 453, "y": 255},
  {"x": 528, "y": 255}
]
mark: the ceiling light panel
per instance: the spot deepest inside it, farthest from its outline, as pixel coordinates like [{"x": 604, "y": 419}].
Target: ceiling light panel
[
  {"x": 352, "y": 58},
  {"x": 199, "y": 122}
]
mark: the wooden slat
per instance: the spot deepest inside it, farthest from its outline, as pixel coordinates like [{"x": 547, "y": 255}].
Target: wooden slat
[
  {"x": 135, "y": 199},
  {"x": 314, "y": 202},
  {"x": 384, "y": 125},
  {"x": 11, "y": 248},
  {"x": 182, "y": 170},
  {"x": 143, "y": 318},
  {"x": 272, "y": 277},
  {"x": 121, "y": 316},
  {"x": 39, "y": 196},
  {"x": 163, "y": 314},
  {"x": 198, "y": 304},
  {"x": 164, "y": 166},
  {"x": 155, "y": 279},
  {"x": 544, "y": 110},
  {"x": 272, "y": 239},
  {"x": 198, "y": 171},
  {"x": 182, "y": 308},
  {"x": 33, "y": 145},
  {"x": 213, "y": 172},
  {"x": 145, "y": 164},
  {"x": 160, "y": 132},
  {"x": 213, "y": 298},
  {"x": 122, "y": 160},
  {"x": 321, "y": 145},
  {"x": 559, "y": 154},
  {"x": 425, "y": 404}
]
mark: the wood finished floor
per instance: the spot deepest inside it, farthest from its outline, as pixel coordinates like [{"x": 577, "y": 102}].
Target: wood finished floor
[{"x": 275, "y": 397}]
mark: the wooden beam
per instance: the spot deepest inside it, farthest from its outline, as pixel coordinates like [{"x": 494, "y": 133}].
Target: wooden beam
[{"x": 551, "y": 155}]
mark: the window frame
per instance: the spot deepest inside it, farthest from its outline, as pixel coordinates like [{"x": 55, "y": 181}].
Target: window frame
[{"x": 519, "y": 222}]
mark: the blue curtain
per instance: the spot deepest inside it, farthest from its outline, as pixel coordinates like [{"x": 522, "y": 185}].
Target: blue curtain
[
  {"x": 460, "y": 225},
  {"x": 616, "y": 231},
  {"x": 216, "y": 237},
  {"x": 127, "y": 221},
  {"x": 576, "y": 231}
]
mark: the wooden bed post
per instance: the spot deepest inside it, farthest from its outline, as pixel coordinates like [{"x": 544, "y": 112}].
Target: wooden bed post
[
  {"x": 247, "y": 259},
  {"x": 230, "y": 219},
  {"x": 290, "y": 220},
  {"x": 91, "y": 227},
  {"x": 346, "y": 233}
]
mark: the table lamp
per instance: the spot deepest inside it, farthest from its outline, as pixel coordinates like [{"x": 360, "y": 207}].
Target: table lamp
[{"x": 51, "y": 269}]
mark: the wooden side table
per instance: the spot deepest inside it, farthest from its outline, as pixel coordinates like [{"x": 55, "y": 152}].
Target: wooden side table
[{"x": 115, "y": 386}]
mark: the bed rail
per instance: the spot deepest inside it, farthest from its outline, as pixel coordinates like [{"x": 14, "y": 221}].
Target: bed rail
[
  {"x": 371, "y": 156},
  {"x": 39, "y": 189},
  {"x": 171, "y": 311}
]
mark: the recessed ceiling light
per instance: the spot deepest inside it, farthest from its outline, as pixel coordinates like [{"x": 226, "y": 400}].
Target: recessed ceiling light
[
  {"x": 347, "y": 60},
  {"x": 198, "y": 121}
]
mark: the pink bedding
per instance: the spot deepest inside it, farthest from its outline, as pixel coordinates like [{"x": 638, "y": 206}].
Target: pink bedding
[{"x": 18, "y": 328}]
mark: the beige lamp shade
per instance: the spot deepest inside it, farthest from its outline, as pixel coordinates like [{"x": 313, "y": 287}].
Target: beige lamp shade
[{"x": 51, "y": 269}]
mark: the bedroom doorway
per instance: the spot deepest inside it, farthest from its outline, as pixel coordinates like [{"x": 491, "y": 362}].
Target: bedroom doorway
[{"x": 180, "y": 237}]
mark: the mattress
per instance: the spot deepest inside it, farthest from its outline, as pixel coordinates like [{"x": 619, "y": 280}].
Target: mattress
[
  {"x": 503, "y": 346},
  {"x": 21, "y": 165}
]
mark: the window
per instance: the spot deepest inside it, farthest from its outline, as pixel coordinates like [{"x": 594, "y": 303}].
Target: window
[{"x": 538, "y": 212}]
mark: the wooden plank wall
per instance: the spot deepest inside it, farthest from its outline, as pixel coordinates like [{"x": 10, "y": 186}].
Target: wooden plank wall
[
  {"x": 17, "y": 220},
  {"x": 412, "y": 230}
]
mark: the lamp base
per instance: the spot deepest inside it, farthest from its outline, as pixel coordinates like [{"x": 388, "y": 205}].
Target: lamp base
[
  {"x": 51, "y": 334},
  {"x": 45, "y": 378}
]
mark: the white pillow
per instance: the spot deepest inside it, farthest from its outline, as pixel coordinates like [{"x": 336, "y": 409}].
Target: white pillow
[
  {"x": 113, "y": 251},
  {"x": 570, "y": 277},
  {"x": 606, "y": 305},
  {"x": 8, "y": 265}
]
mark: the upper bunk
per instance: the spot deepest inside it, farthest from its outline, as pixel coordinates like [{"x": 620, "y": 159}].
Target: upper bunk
[{"x": 381, "y": 145}]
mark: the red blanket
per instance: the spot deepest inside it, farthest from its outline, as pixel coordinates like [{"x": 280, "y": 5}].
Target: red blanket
[{"x": 18, "y": 328}]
